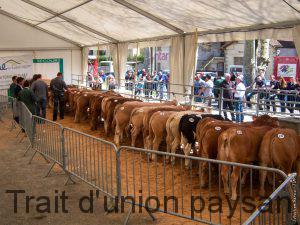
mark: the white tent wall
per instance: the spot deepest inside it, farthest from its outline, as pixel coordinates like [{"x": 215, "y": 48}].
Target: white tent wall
[
  {"x": 72, "y": 62},
  {"x": 19, "y": 36}
]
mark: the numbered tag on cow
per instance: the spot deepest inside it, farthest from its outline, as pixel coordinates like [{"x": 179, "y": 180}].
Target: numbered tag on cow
[
  {"x": 116, "y": 100},
  {"x": 280, "y": 136},
  {"x": 239, "y": 132},
  {"x": 85, "y": 95},
  {"x": 122, "y": 108},
  {"x": 191, "y": 120},
  {"x": 218, "y": 128}
]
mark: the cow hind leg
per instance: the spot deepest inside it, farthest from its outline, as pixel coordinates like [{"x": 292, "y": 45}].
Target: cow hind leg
[
  {"x": 117, "y": 136},
  {"x": 77, "y": 116},
  {"x": 187, "y": 150},
  {"x": 156, "y": 142},
  {"x": 262, "y": 180},
  {"x": 234, "y": 182},
  {"x": 134, "y": 133},
  {"x": 225, "y": 174},
  {"x": 174, "y": 146}
]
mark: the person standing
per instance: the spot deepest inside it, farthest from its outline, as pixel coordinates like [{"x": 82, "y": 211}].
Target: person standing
[
  {"x": 19, "y": 86},
  {"x": 58, "y": 88},
  {"x": 291, "y": 95},
  {"x": 298, "y": 95},
  {"x": 27, "y": 96},
  {"x": 271, "y": 94},
  {"x": 40, "y": 89},
  {"x": 12, "y": 86},
  {"x": 228, "y": 87},
  {"x": 239, "y": 97},
  {"x": 281, "y": 89},
  {"x": 207, "y": 90}
]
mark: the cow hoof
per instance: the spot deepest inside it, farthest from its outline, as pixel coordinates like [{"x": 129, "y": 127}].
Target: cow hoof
[
  {"x": 227, "y": 193},
  {"x": 262, "y": 193}
]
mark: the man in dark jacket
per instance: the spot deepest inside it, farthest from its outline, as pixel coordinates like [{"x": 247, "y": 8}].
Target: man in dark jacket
[
  {"x": 12, "y": 86},
  {"x": 40, "y": 89},
  {"x": 58, "y": 88},
  {"x": 28, "y": 98},
  {"x": 228, "y": 86},
  {"x": 19, "y": 86}
]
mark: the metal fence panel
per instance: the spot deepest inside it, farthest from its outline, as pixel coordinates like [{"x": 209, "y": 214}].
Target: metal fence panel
[
  {"x": 92, "y": 160},
  {"x": 25, "y": 120},
  {"x": 275, "y": 209},
  {"x": 194, "y": 192},
  {"x": 48, "y": 139}
]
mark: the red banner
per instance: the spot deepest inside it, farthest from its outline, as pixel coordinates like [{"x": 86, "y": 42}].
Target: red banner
[
  {"x": 287, "y": 67},
  {"x": 95, "y": 72}
]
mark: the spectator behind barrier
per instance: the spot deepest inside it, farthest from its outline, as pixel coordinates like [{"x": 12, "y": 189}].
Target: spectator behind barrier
[
  {"x": 27, "y": 96},
  {"x": 19, "y": 87},
  {"x": 12, "y": 86},
  {"x": 239, "y": 97},
  {"x": 228, "y": 87}
]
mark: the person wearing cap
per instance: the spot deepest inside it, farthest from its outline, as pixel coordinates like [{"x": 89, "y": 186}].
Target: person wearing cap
[
  {"x": 239, "y": 95},
  {"x": 228, "y": 86}
]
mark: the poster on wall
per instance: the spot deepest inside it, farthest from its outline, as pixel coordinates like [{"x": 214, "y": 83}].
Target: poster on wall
[
  {"x": 286, "y": 67},
  {"x": 20, "y": 66}
]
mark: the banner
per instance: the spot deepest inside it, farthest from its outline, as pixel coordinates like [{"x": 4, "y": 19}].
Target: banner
[
  {"x": 20, "y": 66},
  {"x": 286, "y": 67}
]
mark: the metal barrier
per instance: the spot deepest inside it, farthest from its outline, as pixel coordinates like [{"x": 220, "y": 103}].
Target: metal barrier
[
  {"x": 47, "y": 137},
  {"x": 191, "y": 193},
  {"x": 25, "y": 120},
  {"x": 194, "y": 192},
  {"x": 91, "y": 159},
  {"x": 266, "y": 213}
]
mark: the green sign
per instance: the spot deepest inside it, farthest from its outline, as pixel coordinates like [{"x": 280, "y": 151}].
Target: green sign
[{"x": 54, "y": 60}]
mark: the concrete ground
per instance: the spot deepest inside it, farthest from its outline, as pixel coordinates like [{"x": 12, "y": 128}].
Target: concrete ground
[{"x": 17, "y": 174}]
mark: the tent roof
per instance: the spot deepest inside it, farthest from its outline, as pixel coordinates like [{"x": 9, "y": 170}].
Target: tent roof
[{"x": 92, "y": 22}]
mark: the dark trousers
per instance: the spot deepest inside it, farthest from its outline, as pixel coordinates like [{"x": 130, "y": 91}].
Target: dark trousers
[
  {"x": 41, "y": 106},
  {"x": 282, "y": 99},
  {"x": 291, "y": 106},
  {"x": 239, "y": 110},
  {"x": 59, "y": 100},
  {"x": 229, "y": 105},
  {"x": 270, "y": 100}
]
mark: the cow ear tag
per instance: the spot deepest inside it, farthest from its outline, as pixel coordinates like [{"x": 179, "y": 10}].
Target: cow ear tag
[
  {"x": 191, "y": 120},
  {"x": 116, "y": 100},
  {"x": 239, "y": 132},
  {"x": 280, "y": 136},
  {"x": 122, "y": 108},
  {"x": 85, "y": 95},
  {"x": 218, "y": 128}
]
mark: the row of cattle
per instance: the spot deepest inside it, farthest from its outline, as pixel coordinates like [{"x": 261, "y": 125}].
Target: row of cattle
[{"x": 198, "y": 132}]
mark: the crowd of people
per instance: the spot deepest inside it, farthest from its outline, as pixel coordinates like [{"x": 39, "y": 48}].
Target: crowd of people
[
  {"x": 34, "y": 94},
  {"x": 97, "y": 80},
  {"x": 278, "y": 93},
  {"x": 150, "y": 84}
]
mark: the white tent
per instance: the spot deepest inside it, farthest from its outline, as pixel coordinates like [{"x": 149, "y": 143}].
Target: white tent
[{"x": 82, "y": 23}]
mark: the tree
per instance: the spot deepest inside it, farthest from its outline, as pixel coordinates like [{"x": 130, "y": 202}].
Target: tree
[
  {"x": 264, "y": 54},
  {"x": 249, "y": 61}
]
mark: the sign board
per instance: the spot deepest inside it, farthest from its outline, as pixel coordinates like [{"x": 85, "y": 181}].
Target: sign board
[
  {"x": 10, "y": 66},
  {"x": 286, "y": 67},
  {"x": 48, "y": 67}
]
